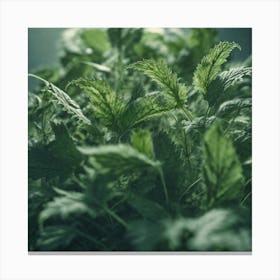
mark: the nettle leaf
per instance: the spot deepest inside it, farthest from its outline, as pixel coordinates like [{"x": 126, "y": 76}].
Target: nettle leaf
[
  {"x": 145, "y": 108},
  {"x": 141, "y": 140},
  {"x": 164, "y": 77},
  {"x": 210, "y": 65},
  {"x": 59, "y": 158},
  {"x": 107, "y": 106},
  {"x": 64, "y": 99},
  {"x": 234, "y": 76},
  {"x": 221, "y": 170},
  {"x": 224, "y": 81},
  {"x": 234, "y": 106},
  {"x": 118, "y": 159}
]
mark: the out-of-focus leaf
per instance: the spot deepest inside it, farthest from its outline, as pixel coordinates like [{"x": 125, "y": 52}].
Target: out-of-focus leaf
[
  {"x": 96, "y": 39},
  {"x": 221, "y": 170},
  {"x": 220, "y": 230},
  {"x": 56, "y": 237},
  {"x": 65, "y": 206},
  {"x": 146, "y": 208},
  {"x": 99, "y": 67},
  {"x": 118, "y": 159},
  {"x": 216, "y": 230}
]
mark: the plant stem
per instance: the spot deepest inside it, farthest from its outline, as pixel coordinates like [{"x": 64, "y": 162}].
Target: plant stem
[
  {"x": 163, "y": 185},
  {"x": 116, "y": 217},
  {"x": 187, "y": 113}
]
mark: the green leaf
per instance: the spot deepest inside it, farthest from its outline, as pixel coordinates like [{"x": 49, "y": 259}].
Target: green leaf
[
  {"x": 216, "y": 230},
  {"x": 57, "y": 237},
  {"x": 65, "y": 206},
  {"x": 96, "y": 39},
  {"x": 221, "y": 170},
  {"x": 64, "y": 99},
  {"x": 233, "y": 106},
  {"x": 210, "y": 65},
  {"x": 219, "y": 87},
  {"x": 145, "y": 108},
  {"x": 141, "y": 140},
  {"x": 234, "y": 76},
  {"x": 165, "y": 78},
  {"x": 148, "y": 209},
  {"x": 118, "y": 159},
  {"x": 59, "y": 158},
  {"x": 106, "y": 105}
]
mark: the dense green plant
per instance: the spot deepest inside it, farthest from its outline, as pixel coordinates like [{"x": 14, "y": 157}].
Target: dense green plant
[{"x": 141, "y": 141}]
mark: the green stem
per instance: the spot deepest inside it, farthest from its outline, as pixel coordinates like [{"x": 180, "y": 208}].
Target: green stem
[
  {"x": 116, "y": 217},
  {"x": 187, "y": 113},
  {"x": 163, "y": 185}
]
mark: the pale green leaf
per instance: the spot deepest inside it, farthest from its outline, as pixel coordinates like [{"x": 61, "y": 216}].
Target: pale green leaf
[
  {"x": 141, "y": 140},
  {"x": 165, "y": 78},
  {"x": 118, "y": 159}
]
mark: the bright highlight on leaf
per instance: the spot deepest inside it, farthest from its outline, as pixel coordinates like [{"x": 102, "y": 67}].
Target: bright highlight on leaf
[
  {"x": 119, "y": 159},
  {"x": 64, "y": 99}
]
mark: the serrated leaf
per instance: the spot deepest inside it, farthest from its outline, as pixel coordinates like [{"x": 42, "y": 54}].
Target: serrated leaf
[
  {"x": 219, "y": 87},
  {"x": 106, "y": 105},
  {"x": 118, "y": 159},
  {"x": 221, "y": 170},
  {"x": 145, "y": 108},
  {"x": 64, "y": 99},
  {"x": 165, "y": 78},
  {"x": 232, "y": 106},
  {"x": 210, "y": 65},
  {"x": 233, "y": 76}
]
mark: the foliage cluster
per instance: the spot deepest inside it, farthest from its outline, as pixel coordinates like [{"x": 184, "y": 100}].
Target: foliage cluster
[{"x": 141, "y": 141}]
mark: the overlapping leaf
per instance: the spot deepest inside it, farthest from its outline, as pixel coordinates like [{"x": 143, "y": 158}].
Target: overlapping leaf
[
  {"x": 64, "y": 99},
  {"x": 210, "y": 65}
]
